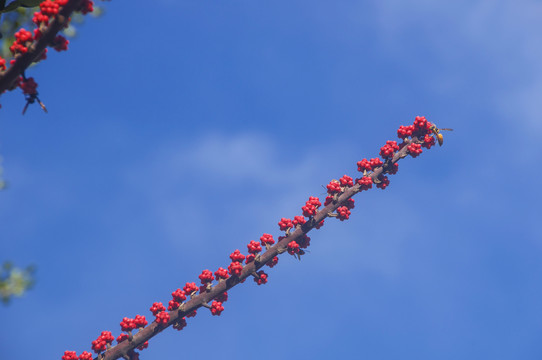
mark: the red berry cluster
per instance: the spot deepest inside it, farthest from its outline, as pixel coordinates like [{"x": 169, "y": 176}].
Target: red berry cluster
[
  {"x": 387, "y": 150},
  {"x": 310, "y": 208},
  {"x": 29, "y": 86},
  {"x": 267, "y": 240},
  {"x": 216, "y": 308},
  {"x": 235, "y": 268},
  {"x": 414, "y": 149},
  {"x": 285, "y": 224},
  {"x": 72, "y": 355},
  {"x": 261, "y": 278},
  {"x": 343, "y": 213},
  {"x": 221, "y": 274},
  {"x": 25, "y": 39},
  {"x": 100, "y": 344},
  {"x": 374, "y": 172}
]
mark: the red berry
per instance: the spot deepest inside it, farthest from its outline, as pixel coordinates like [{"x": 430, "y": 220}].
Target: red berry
[
  {"x": 221, "y": 274},
  {"x": 179, "y": 295},
  {"x": 250, "y": 258},
  {"x": 308, "y": 210},
  {"x": 162, "y": 318},
  {"x": 206, "y": 277},
  {"x": 343, "y": 213},
  {"x": 262, "y": 278},
  {"x": 366, "y": 183},
  {"x": 428, "y": 141},
  {"x": 189, "y": 288},
  {"x": 319, "y": 225},
  {"x": 272, "y": 262},
  {"x": 127, "y": 324},
  {"x": 376, "y": 162},
  {"x": 237, "y": 256},
  {"x": 235, "y": 269},
  {"x": 414, "y": 149},
  {"x": 386, "y": 151},
  {"x": 254, "y": 247},
  {"x": 314, "y": 201},
  {"x": 267, "y": 239},
  {"x": 293, "y": 247},
  {"x": 405, "y": 131},
  {"x": 384, "y": 182},
  {"x": 85, "y": 355},
  {"x": 180, "y": 324},
  {"x": 173, "y": 305},
  {"x": 285, "y": 224},
  {"x": 69, "y": 355},
  {"x": 364, "y": 164},
  {"x": 346, "y": 181},
  {"x": 304, "y": 241},
  {"x": 334, "y": 187},
  {"x": 222, "y": 297},
  {"x": 29, "y": 86},
  {"x": 217, "y": 308},
  {"x": 122, "y": 337},
  {"x": 299, "y": 220},
  {"x": 140, "y": 321},
  {"x": 157, "y": 307}
]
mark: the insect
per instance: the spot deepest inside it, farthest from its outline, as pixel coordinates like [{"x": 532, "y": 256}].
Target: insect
[{"x": 437, "y": 133}]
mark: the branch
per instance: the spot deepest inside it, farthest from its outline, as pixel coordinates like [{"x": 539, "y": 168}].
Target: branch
[
  {"x": 338, "y": 202},
  {"x": 23, "y": 61}
]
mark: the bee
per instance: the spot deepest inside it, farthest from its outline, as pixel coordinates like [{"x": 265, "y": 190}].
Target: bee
[{"x": 437, "y": 133}]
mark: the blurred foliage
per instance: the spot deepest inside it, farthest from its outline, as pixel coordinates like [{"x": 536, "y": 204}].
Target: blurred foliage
[
  {"x": 16, "y": 4},
  {"x": 14, "y": 281},
  {"x": 21, "y": 17}
]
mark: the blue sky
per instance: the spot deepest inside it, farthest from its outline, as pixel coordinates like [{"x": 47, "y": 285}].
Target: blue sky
[{"x": 178, "y": 131}]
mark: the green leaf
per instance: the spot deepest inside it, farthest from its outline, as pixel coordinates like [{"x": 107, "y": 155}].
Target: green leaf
[{"x": 19, "y": 3}]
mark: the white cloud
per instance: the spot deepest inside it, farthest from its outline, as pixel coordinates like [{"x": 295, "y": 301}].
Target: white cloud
[{"x": 502, "y": 37}]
